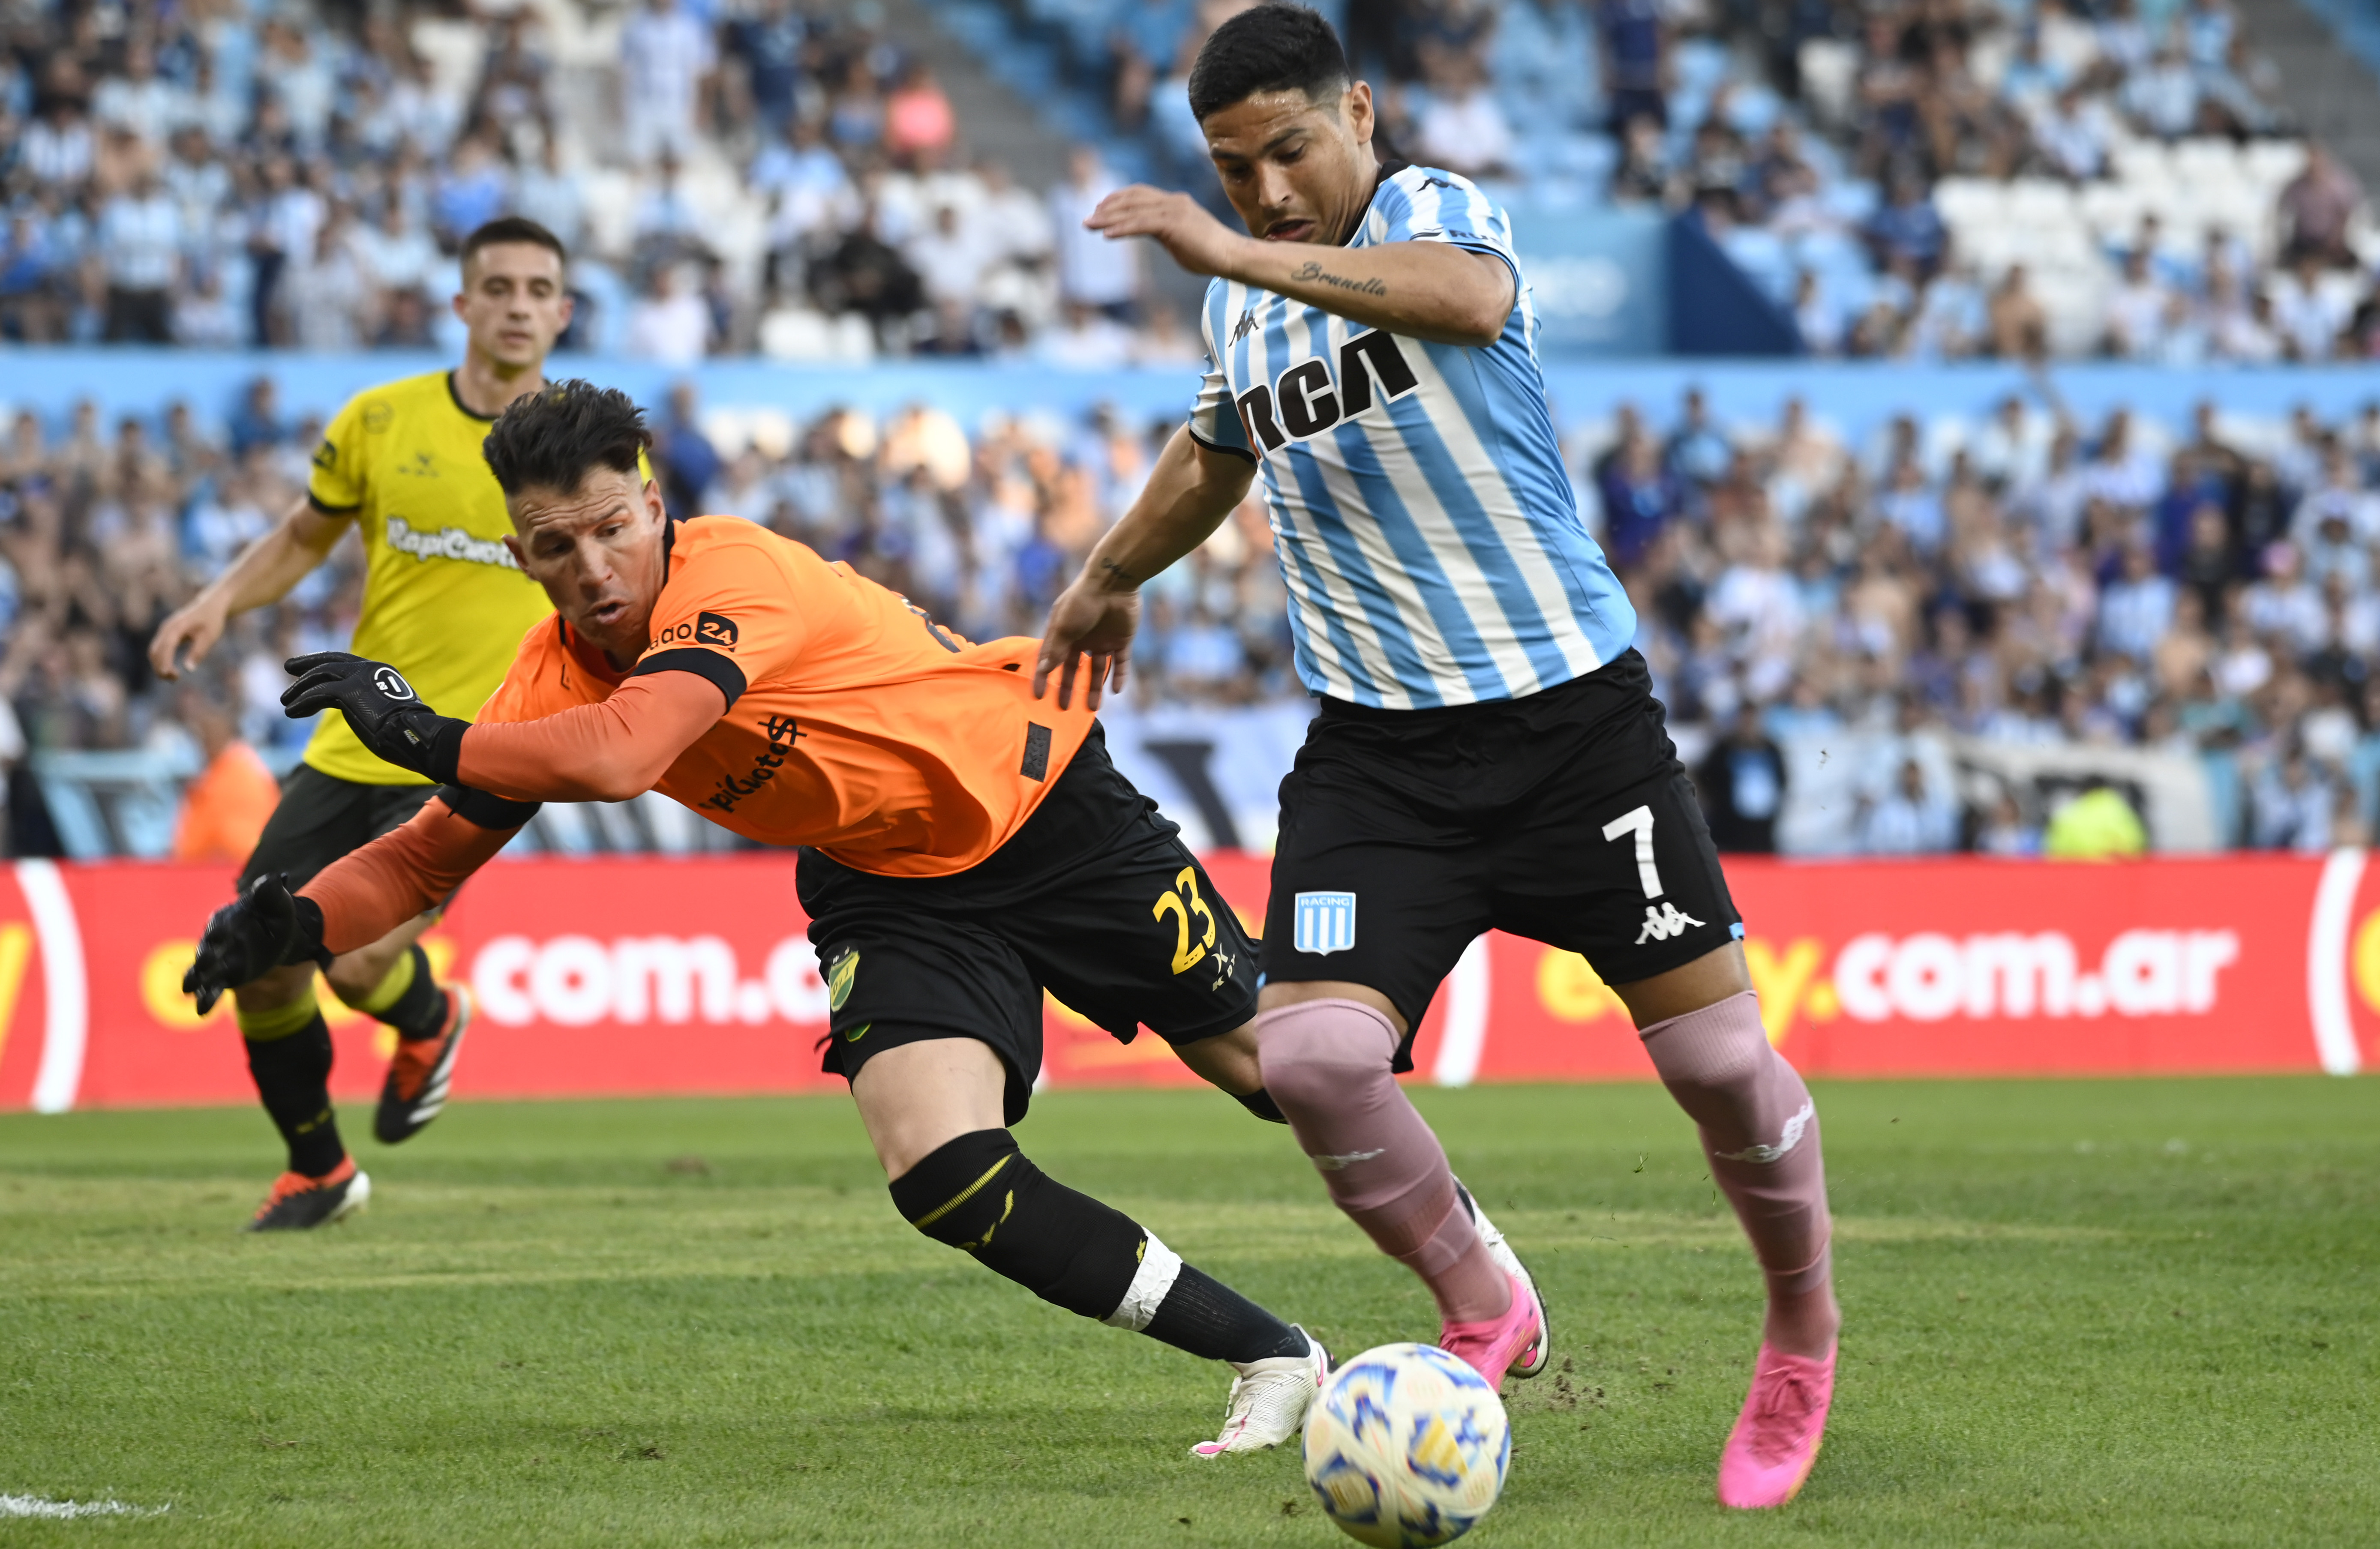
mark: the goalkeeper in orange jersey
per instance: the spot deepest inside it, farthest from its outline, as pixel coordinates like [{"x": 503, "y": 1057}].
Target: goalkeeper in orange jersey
[{"x": 964, "y": 847}]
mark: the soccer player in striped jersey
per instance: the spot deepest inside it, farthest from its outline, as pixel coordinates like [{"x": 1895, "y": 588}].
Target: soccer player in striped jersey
[{"x": 1489, "y": 752}]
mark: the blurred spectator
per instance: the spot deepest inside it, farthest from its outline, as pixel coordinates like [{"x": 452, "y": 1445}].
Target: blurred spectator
[
  {"x": 1635, "y": 61},
  {"x": 666, "y": 59},
  {"x": 225, "y": 807},
  {"x": 2096, "y": 825},
  {"x": 671, "y": 323},
  {"x": 1742, "y": 784},
  {"x": 2316, "y": 208},
  {"x": 918, "y": 123},
  {"x": 1091, "y": 268},
  {"x": 140, "y": 234},
  {"x": 1909, "y": 819}
]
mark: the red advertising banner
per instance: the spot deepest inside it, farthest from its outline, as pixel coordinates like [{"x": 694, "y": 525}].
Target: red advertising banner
[{"x": 696, "y": 975}]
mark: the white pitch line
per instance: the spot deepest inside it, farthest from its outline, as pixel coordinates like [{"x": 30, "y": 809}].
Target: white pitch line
[{"x": 38, "y": 1506}]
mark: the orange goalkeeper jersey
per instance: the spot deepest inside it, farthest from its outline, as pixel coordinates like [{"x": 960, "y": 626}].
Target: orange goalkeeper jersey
[{"x": 855, "y": 722}]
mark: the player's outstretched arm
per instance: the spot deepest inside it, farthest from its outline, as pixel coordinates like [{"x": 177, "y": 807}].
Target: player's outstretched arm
[
  {"x": 1189, "y": 493},
  {"x": 1427, "y": 290},
  {"x": 263, "y": 574},
  {"x": 605, "y": 751},
  {"x": 357, "y": 899}
]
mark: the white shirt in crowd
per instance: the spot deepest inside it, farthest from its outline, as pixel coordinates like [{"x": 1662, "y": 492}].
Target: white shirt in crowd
[
  {"x": 673, "y": 325},
  {"x": 142, "y": 237},
  {"x": 664, "y": 54},
  {"x": 1466, "y": 132},
  {"x": 1091, "y": 268}
]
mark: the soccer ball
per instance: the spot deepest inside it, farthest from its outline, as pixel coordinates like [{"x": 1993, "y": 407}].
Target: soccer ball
[{"x": 1406, "y": 1446}]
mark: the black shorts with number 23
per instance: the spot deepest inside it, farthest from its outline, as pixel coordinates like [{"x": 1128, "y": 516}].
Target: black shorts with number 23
[
  {"x": 1094, "y": 899},
  {"x": 1564, "y": 816}
]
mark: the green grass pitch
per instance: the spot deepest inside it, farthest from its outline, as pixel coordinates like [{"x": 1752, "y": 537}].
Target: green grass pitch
[{"x": 2078, "y": 1312}]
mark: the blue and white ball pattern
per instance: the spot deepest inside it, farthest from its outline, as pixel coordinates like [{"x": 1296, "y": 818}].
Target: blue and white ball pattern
[{"x": 1406, "y": 1446}]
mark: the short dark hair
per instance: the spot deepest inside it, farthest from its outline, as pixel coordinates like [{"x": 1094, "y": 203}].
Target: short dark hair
[
  {"x": 556, "y": 436},
  {"x": 1272, "y": 47},
  {"x": 513, "y": 228}
]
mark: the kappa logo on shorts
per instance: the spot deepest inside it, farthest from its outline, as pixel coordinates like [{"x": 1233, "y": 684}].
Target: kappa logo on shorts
[
  {"x": 1665, "y": 922},
  {"x": 839, "y": 976},
  {"x": 1325, "y": 922},
  {"x": 391, "y": 682}
]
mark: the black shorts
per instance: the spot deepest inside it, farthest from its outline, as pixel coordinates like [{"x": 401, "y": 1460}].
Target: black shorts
[
  {"x": 1564, "y": 817},
  {"x": 322, "y": 818},
  {"x": 1094, "y": 899}
]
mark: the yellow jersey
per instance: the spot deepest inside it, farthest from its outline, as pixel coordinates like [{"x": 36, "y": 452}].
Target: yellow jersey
[{"x": 443, "y": 601}]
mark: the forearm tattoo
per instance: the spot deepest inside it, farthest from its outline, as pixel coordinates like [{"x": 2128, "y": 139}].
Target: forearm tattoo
[{"x": 1316, "y": 272}]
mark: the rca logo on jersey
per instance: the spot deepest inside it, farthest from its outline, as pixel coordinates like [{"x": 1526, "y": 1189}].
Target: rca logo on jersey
[
  {"x": 1325, "y": 922},
  {"x": 1309, "y": 399},
  {"x": 391, "y": 682},
  {"x": 447, "y": 544}
]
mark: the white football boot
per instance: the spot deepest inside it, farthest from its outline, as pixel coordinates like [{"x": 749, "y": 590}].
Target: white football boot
[
  {"x": 1269, "y": 1400},
  {"x": 1532, "y": 1360}
]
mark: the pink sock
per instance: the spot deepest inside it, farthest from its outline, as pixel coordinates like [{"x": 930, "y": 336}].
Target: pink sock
[
  {"x": 1760, "y": 1132},
  {"x": 1326, "y": 1062}
]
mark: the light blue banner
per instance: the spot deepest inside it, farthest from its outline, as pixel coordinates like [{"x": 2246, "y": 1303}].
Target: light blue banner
[{"x": 1854, "y": 395}]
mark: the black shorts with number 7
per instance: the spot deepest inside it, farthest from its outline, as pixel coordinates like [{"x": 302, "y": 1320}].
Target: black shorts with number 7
[
  {"x": 1564, "y": 817},
  {"x": 1094, "y": 899}
]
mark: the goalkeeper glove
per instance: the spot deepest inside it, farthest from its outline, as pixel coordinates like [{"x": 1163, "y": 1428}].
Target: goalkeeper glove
[
  {"x": 265, "y": 928},
  {"x": 382, "y": 708}
]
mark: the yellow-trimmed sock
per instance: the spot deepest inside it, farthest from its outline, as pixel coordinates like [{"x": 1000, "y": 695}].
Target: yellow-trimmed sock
[
  {"x": 276, "y": 1022},
  {"x": 407, "y": 997},
  {"x": 289, "y": 1055}
]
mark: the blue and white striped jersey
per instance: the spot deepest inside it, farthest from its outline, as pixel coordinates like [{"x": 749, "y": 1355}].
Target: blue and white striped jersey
[{"x": 1432, "y": 549}]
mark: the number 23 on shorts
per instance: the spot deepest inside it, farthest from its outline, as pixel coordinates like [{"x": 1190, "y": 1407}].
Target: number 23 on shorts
[{"x": 1183, "y": 902}]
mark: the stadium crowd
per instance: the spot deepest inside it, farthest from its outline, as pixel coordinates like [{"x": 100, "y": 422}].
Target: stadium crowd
[
  {"x": 756, "y": 175},
  {"x": 2211, "y": 589},
  {"x": 1848, "y": 157}
]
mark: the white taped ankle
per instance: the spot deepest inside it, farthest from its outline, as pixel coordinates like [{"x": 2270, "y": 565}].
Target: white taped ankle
[{"x": 1158, "y": 1267}]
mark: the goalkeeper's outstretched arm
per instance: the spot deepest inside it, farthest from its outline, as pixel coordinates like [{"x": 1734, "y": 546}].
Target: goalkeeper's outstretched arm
[
  {"x": 366, "y": 894},
  {"x": 357, "y": 899}
]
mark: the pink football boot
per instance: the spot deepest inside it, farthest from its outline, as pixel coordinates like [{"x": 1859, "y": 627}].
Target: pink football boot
[
  {"x": 1492, "y": 1345},
  {"x": 1776, "y": 1438}
]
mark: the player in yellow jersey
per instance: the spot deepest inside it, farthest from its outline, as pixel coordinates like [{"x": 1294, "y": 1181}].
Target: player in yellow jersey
[{"x": 445, "y": 603}]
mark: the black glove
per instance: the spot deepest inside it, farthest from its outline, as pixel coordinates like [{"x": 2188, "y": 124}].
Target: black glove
[
  {"x": 387, "y": 715},
  {"x": 265, "y": 928}
]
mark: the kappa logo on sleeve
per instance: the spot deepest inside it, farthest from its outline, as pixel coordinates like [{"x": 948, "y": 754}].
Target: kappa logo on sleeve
[{"x": 715, "y": 629}]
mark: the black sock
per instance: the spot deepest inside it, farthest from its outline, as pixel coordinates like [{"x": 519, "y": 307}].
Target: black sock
[
  {"x": 1206, "y": 1317},
  {"x": 1260, "y": 1103},
  {"x": 293, "y": 1076},
  {"x": 420, "y": 1011},
  {"x": 981, "y": 1193}
]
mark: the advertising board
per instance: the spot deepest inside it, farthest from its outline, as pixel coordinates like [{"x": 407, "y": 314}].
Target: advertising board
[{"x": 616, "y": 976}]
